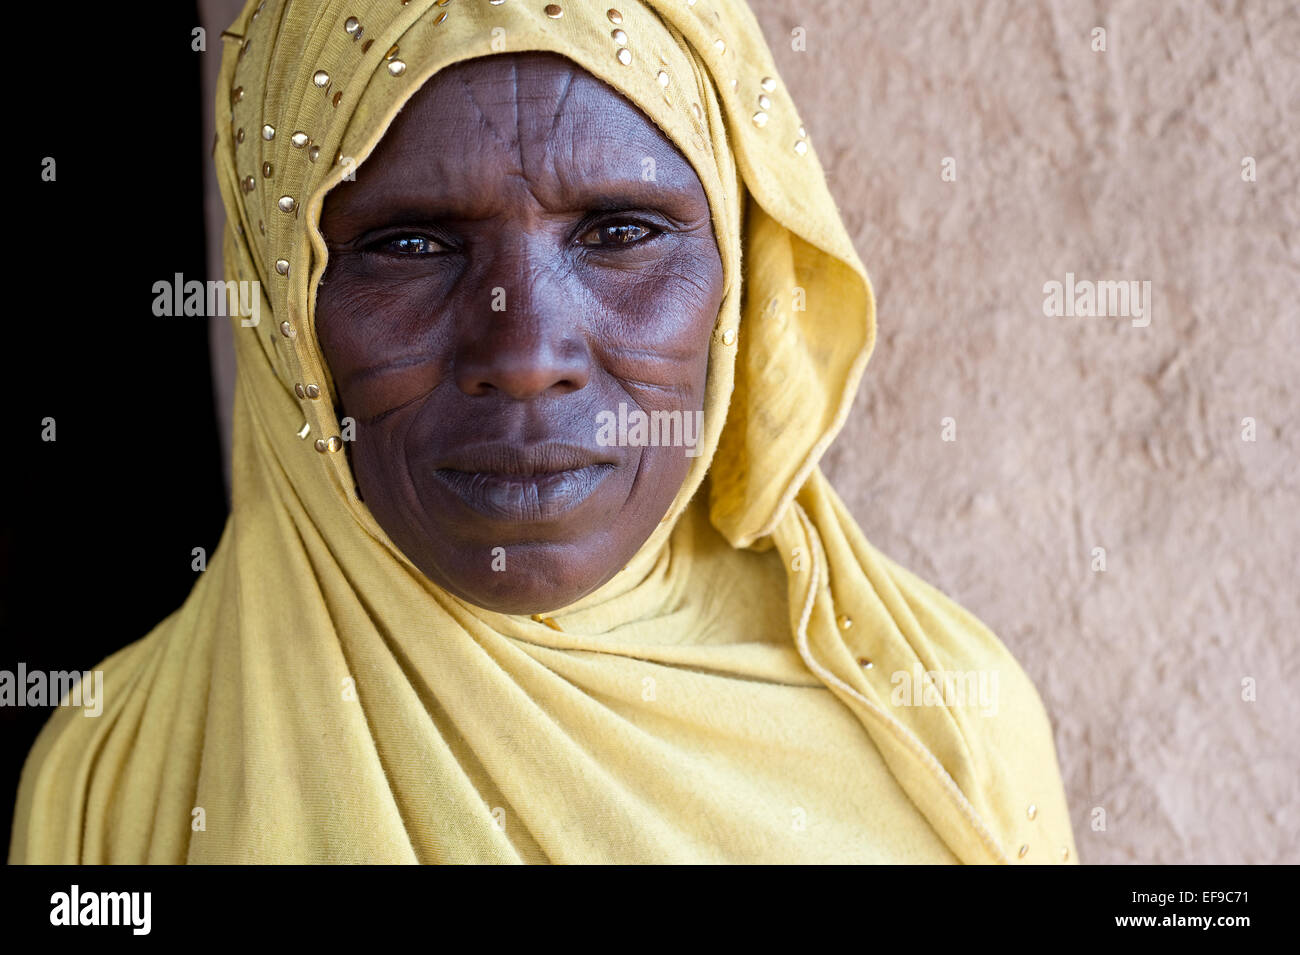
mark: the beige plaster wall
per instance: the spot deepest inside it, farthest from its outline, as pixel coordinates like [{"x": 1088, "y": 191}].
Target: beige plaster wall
[{"x": 1078, "y": 433}]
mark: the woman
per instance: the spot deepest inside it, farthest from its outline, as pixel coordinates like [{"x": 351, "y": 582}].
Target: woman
[{"x": 468, "y": 606}]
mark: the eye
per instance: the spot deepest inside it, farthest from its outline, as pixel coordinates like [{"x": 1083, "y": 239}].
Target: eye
[
  {"x": 408, "y": 245},
  {"x": 615, "y": 234}
]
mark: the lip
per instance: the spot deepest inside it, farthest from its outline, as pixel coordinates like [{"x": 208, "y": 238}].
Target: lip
[{"x": 523, "y": 484}]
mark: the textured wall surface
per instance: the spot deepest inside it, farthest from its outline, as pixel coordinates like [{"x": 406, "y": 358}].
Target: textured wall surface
[{"x": 1169, "y": 676}]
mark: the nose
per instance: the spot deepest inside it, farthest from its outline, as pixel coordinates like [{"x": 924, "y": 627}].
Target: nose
[{"x": 526, "y": 341}]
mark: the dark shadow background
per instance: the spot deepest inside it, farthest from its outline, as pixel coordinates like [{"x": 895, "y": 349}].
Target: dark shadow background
[{"x": 96, "y": 540}]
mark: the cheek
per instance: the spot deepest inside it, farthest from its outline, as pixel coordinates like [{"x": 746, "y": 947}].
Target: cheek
[
  {"x": 381, "y": 467},
  {"x": 657, "y": 332},
  {"x": 663, "y": 469},
  {"x": 382, "y": 349}
]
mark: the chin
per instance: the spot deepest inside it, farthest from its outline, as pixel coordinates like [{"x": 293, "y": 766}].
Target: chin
[{"x": 536, "y": 579}]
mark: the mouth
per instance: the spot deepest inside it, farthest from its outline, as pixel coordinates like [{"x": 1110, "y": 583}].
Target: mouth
[{"x": 537, "y": 483}]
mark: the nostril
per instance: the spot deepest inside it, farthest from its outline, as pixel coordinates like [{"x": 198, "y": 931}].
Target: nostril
[{"x": 522, "y": 363}]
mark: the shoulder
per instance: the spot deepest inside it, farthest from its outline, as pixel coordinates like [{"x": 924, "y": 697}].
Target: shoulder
[{"x": 70, "y": 772}]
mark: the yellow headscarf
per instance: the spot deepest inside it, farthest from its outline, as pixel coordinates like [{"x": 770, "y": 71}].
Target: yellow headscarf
[{"x": 318, "y": 699}]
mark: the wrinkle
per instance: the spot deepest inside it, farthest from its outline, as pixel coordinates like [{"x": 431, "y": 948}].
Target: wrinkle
[{"x": 487, "y": 123}]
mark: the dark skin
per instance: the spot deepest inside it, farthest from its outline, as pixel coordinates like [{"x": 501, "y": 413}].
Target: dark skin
[{"x": 499, "y": 274}]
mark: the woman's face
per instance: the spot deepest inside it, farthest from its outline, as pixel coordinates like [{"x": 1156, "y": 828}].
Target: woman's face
[{"x": 523, "y": 251}]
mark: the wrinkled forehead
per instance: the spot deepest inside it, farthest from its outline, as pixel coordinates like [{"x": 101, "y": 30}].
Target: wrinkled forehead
[
  {"x": 483, "y": 129},
  {"x": 543, "y": 85},
  {"x": 523, "y": 99}
]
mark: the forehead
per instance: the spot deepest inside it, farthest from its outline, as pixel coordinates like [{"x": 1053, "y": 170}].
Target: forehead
[{"x": 539, "y": 117}]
